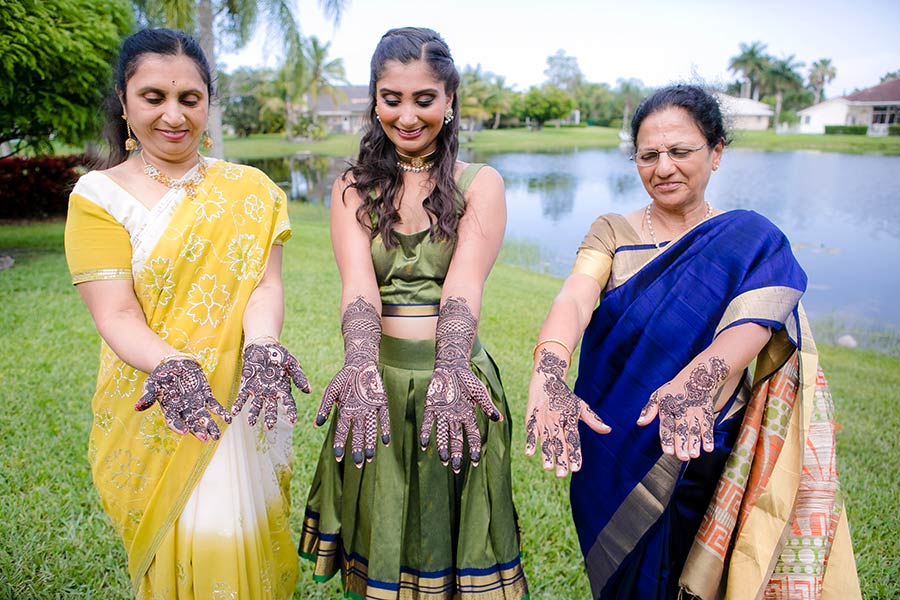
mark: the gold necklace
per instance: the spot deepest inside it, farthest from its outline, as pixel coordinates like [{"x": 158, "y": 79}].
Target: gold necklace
[
  {"x": 416, "y": 164},
  {"x": 650, "y": 223},
  {"x": 190, "y": 185}
]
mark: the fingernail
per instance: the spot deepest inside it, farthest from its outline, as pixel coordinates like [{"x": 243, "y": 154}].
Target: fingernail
[{"x": 319, "y": 420}]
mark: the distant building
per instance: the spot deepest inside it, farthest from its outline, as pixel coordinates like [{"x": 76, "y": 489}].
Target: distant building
[
  {"x": 877, "y": 107},
  {"x": 348, "y": 114},
  {"x": 744, "y": 113}
]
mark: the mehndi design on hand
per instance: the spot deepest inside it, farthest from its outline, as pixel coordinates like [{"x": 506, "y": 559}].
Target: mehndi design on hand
[
  {"x": 686, "y": 419},
  {"x": 266, "y": 379},
  {"x": 185, "y": 398},
  {"x": 357, "y": 388},
  {"x": 454, "y": 389},
  {"x": 560, "y": 441}
]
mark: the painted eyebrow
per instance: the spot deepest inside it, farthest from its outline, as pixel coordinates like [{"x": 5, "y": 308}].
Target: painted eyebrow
[{"x": 430, "y": 91}]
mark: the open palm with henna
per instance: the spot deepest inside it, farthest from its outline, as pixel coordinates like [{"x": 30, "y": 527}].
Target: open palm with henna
[
  {"x": 184, "y": 397},
  {"x": 553, "y": 414},
  {"x": 454, "y": 390},
  {"x": 357, "y": 389},
  {"x": 266, "y": 377},
  {"x": 685, "y": 408}
]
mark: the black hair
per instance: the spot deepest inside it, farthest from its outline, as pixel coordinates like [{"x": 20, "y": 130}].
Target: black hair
[
  {"x": 169, "y": 42},
  {"x": 700, "y": 104},
  {"x": 375, "y": 174}
]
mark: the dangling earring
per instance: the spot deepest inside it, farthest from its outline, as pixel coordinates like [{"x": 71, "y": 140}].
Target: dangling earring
[
  {"x": 377, "y": 117},
  {"x": 207, "y": 141},
  {"x": 131, "y": 144},
  {"x": 448, "y": 115}
]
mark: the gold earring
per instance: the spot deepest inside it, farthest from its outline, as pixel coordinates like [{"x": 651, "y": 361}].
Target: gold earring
[
  {"x": 448, "y": 115},
  {"x": 131, "y": 144},
  {"x": 207, "y": 141}
]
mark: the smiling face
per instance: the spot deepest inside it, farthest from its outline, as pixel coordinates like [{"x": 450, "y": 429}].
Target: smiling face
[
  {"x": 411, "y": 104},
  {"x": 678, "y": 186},
  {"x": 167, "y": 103}
]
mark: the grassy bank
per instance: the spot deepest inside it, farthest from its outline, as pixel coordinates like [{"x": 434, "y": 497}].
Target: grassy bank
[
  {"x": 552, "y": 139},
  {"x": 56, "y": 542}
]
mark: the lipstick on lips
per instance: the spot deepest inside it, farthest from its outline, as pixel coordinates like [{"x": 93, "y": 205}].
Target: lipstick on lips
[{"x": 408, "y": 135}]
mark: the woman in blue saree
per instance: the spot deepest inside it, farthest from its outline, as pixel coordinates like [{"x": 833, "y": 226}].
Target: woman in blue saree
[{"x": 691, "y": 477}]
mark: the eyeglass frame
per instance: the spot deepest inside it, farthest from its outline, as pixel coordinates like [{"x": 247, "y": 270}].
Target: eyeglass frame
[{"x": 690, "y": 153}]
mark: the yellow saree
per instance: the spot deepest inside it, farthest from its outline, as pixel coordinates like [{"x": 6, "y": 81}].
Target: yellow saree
[{"x": 198, "y": 520}]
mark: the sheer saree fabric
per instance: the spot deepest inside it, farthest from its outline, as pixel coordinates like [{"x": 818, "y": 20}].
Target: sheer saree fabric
[
  {"x": 197, "y": 519},
  {"x": 770, "y": 517}
]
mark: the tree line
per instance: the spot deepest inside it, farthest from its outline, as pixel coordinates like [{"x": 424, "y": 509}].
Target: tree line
[{"x": 56, "y": 56}]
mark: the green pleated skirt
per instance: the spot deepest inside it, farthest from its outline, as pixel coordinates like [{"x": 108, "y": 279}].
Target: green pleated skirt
[{"x": 405, "y": 526}]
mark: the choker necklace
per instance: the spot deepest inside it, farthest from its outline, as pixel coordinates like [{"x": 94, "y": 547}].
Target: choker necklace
[
  {"x": 650, "y": 223},
  {"x": 190, "y": 185},
  {"x": 415, "y": 164}
]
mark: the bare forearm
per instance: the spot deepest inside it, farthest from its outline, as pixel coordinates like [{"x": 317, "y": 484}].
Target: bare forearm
[
  {"x": 737, "y": 346},
  {"x": 264, "y": 313},
  {"x": 127, "y": 333}
]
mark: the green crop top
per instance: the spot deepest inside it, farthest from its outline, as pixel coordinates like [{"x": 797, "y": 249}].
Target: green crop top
[{"x": 411, "y": 274}]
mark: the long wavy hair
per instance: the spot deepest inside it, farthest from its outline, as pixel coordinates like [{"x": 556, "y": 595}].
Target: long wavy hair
[{"x": 375, "y": 174}]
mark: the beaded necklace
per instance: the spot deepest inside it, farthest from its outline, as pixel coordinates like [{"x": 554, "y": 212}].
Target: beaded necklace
[
  {"x": 415, "y": 164},
  {"x": 650, "y": 222}
]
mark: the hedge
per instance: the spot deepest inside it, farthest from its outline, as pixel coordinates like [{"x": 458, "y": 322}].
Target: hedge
[
  {"x": 894, "y": 129},
  {"x": 37, "y": 188},
  {"x": 846, "y": 129}
]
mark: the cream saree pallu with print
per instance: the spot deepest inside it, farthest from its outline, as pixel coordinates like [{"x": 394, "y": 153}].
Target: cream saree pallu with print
[{"x": 198, "y": 520}]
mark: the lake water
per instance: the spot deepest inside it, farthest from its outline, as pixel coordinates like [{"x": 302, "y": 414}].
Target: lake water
[{"x": 841, "y": 213}]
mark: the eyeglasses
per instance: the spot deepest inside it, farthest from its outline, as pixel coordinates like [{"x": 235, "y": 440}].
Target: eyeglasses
[{"x": 647, "y": 158}]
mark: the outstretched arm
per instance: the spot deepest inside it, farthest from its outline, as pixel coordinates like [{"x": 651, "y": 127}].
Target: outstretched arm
[
  {"x": 454, "y": 390},
  {"x": 268, "y": 367},
  {"x": 553, "y": 411},
  {"x": 357, "y": 389},
  {"x": 686, "y": 405}
]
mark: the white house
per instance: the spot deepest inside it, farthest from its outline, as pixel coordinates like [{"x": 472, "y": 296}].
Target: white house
[
  {"x": 346, "y": 114},
  {"x": 877, "y": 107},
  {"x": 744, "y": 113}
]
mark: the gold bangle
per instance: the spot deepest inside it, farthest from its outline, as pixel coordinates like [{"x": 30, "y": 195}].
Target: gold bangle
[
  {"x": 262, "y": 337},
  {"x": 548, "y": 340},
  {"x": 178, "y": 355}
]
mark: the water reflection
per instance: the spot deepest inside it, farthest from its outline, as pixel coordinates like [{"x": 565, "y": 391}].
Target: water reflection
[
  {"x": 841, "y": 213},
  {"x": 303, "y": 177}
]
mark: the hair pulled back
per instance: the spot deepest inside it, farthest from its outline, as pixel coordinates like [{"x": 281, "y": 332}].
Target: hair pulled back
[
  {"x": 163, "y": 41},
  {"x": 375, "y": 173},
  {"x": 700, "y": 104}
]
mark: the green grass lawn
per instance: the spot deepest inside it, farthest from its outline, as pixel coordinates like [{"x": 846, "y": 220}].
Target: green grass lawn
[
  {"x": 55, "y": 540},
  {"x": 563, "y": 139}
]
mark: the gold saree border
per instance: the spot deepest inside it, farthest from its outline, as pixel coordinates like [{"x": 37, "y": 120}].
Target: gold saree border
[{"x": 100, "y": 275}]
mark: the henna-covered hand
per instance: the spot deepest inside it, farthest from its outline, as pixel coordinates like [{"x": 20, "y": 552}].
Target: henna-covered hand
[
  {"x": 686, "y": 419},
  {"x": 454, "y": 389},
  {"x": 357, "y": 389},
  {"x": 553, "y": 414},
  {"x": 266, "y": 379},
  {"x": 184, "y": 397}
]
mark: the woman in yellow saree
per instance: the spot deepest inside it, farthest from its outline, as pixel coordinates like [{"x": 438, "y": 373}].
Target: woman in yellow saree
[{"x": 178, "y": 258}]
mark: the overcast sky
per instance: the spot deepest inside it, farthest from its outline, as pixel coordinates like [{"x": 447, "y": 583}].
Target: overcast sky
[{"x": 656, "y": 41}]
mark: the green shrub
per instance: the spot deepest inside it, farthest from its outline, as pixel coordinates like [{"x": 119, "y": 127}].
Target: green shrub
[
  {"x": 579, "y": 124},
  {"x": 846, "y": 129},
  {"x": 33, "y": 188},
  {"x": 894, "y": 129}
]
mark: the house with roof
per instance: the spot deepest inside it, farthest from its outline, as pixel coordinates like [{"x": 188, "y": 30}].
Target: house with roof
[
  {"x": 876, "y": 107},
  {"x": 347, "y": 113},
  {"x": 745, "y": 113}
]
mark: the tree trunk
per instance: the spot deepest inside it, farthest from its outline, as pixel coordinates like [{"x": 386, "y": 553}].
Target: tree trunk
[
  {"x": 496, "y": 120},
  {"x": 755, "y": 91},
  {"x": 208, "y": 44},
  {"x": 779, "y": 97},
  {"x": 818, "y": 93}
]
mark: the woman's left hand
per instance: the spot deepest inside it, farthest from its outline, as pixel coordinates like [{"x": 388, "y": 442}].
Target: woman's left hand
[
  {"x": 266, "y": 379},
  {"x": 685, "y": 409}
]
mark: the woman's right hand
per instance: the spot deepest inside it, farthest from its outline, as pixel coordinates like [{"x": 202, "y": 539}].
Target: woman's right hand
[
  {"x": 184, "y": 396},
  {"x": 553, "y": 413}
]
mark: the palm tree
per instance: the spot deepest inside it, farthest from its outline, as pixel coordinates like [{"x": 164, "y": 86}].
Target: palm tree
[
  {"x": 821, "y": 73},
  {"x": 227, "y": 21},
  {"x": 751, "y": 63},
  {"x": 629, "y": 92},
  {"x": 305, "y": 76},
  {"x": 782, "y": 76},
  {"x": 498, "y": 99}
]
